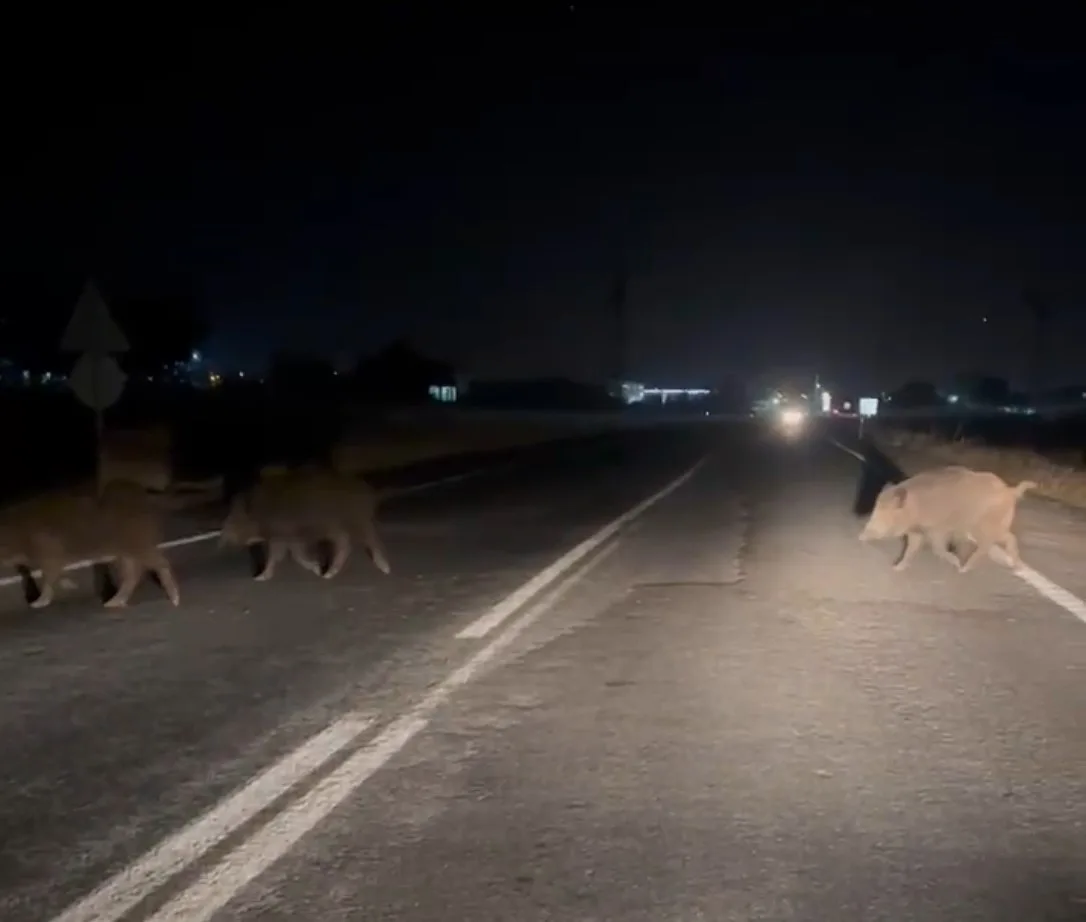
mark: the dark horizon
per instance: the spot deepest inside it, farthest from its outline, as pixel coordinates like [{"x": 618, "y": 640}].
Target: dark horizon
[{"x": 869, "y": 217}]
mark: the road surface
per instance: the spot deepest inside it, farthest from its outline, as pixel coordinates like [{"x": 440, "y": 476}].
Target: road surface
[{"x": 728, "y": 709}]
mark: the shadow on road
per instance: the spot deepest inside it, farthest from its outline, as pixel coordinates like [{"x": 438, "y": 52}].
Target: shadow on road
[{"x": 875, "y": 473}]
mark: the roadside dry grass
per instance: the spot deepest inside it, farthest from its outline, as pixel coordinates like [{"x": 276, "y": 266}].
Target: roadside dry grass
[
  {"x": 408, "y": 446},
  {"x": 914, "y": 452},
  {"x": 143, "y": 455}
]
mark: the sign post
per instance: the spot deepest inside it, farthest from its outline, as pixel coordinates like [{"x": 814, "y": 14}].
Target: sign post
[
  {"x": 96, "y": 378},
  {"x": 869, "y": 406}
]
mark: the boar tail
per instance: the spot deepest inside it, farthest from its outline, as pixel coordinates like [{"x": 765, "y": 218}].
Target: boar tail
[{"x": 1020, "y": 490}]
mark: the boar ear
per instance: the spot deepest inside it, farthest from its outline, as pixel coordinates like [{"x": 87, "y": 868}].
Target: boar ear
[{"x": 895, "y": 495}]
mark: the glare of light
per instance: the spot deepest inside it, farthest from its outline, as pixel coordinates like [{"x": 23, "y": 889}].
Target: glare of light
[
  {"x": 792, "y": 417},
  {"x": 777, "y": 399},
  {"x": 195, "y": 356},
  {"x": 826, "y": 401},
  {"x": 953, "y": 398}
]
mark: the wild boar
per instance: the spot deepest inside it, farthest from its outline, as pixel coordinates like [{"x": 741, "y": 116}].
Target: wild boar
[
  {"x": 121, "y": 524},
  {"x": 944, "y": 505},
  {"x": 289, "y": 510}
]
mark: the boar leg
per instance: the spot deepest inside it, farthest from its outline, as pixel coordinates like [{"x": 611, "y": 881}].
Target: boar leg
[
  {"x": 130, "y": 573},
  {"x": 913, "y": 543},
  {"x": 158, "y": 564},
  {"x": 52, "y": 570},
  {"x": 981, "y": 550},
  {"x": 341, "y": 542},
  {"x": 299, "y": 552},
  {"x": 1010, "y": 545},
  {"x": 940, "y": 546},
  {"x": 277, "y": 550},
  {"x": 375, "y": 546}
]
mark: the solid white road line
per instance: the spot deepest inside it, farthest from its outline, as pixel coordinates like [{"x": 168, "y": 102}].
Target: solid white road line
[
  {"x": 857, "y": 455},
  {"x": 222, "y": 882},
  {"x": 486, "y": 623},
  {"x": 136, "y": 882},
  {"x": 1055, "y": 593},
  {"x": 212, "y": 535}
]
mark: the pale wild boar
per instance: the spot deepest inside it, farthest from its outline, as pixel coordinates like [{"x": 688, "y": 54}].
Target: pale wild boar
[
  {"x": 948, "y": 505},
  {"x": 291, "y": 510},
  {"x": 121, "y": 526}
]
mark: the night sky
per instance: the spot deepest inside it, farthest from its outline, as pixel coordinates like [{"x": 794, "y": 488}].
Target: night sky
[{"x": 476, "y": 182}]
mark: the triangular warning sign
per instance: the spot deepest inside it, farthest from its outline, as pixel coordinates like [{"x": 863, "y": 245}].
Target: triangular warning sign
[{"x": 92, "y": 328}]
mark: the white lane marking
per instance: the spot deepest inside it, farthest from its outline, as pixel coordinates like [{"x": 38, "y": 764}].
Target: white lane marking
[
  {"x": 452, "y": 478},
  {"x": 1054, "y": 592},
  {"x": 212, "y": 535},
  {"x": 120, "y": 893},
  {"x": 857, "y": 455},
  {"x": 486, "y": 623},
  {"x": 221, "y": 883}
]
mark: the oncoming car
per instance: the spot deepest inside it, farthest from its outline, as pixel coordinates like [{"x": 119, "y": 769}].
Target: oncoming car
[{"x": 791, "y": 420}]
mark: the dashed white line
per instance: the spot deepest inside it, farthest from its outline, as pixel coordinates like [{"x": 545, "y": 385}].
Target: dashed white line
[
  {"x": 857, "y": 455},
  {"x": 217, "y": 886},
  {"x": 486, "y": 623},
  {"x": 124, "y": 890},
  {"x": 1055, "y": 593}
]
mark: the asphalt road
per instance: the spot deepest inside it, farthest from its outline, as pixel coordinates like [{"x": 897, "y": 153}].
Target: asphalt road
[{"x": 730, "y": 710}]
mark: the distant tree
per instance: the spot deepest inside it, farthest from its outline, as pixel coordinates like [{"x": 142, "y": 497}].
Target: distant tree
[
  {"x": 399, "y": 373},
  {"x": 542, "y": 394},
  {"x": 297, "y": 374},
  {"x": 32, "y": 320},
  {"x": 982, "y": 390},
  {"x": 1040, "y": 310},
  {"x": 991, "y": 391},
  {"x": 161, "y": 329},
  {"x": 731, "y": 396},
  {"x": 915, "y": 395}
]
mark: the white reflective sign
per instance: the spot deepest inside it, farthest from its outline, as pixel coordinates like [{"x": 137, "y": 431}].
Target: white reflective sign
[{"x": 869, "y": 406}]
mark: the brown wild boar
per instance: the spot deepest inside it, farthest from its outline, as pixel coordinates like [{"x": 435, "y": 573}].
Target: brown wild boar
[
  {"x": 944, "y": 505},
  {"x": 122, "y": 526},
  {"x": 290, "y": 510}
]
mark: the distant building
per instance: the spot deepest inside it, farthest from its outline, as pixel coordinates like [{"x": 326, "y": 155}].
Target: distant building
[{"x": 636, "y": 392}]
